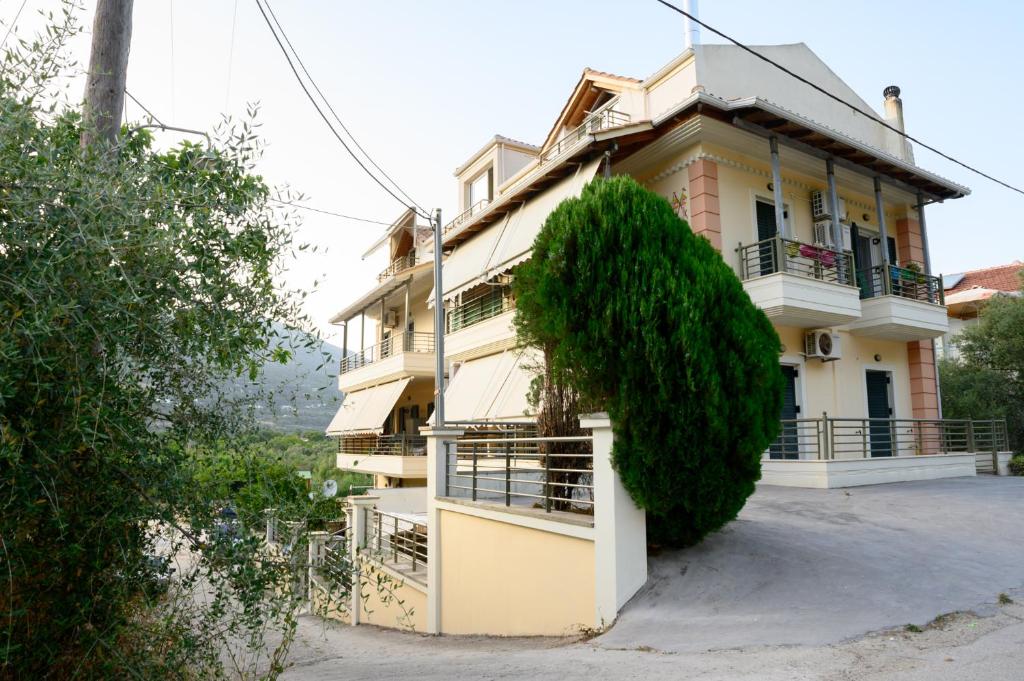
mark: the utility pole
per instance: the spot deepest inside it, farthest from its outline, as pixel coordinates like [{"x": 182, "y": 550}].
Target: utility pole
[
  {"x": 438, "y": 327},
  {"x": 108, "y": 71}
]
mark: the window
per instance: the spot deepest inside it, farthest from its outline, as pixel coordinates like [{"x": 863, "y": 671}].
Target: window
[{"x": 481, "y": 188}]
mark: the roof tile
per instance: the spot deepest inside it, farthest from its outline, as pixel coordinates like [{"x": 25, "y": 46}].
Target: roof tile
[{"x": 999, "y": 278}]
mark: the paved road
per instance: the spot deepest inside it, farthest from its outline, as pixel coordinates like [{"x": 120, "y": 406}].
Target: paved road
[{"x": 785, "y": 592}]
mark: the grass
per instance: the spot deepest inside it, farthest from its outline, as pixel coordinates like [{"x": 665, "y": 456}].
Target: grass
[
  {"x": 1005, "y": 600},
  {"x": 912, "y": 629}
]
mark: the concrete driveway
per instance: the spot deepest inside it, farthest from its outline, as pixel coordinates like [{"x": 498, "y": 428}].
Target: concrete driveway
[{"x": 805, "y": 566}]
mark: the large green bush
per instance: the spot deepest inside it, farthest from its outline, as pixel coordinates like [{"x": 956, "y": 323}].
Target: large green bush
[{"x": 643, "y": 317}]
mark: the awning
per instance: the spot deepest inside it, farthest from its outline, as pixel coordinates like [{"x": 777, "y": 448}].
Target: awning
[
  {"x": 508, "y": 241},
  {"x": 521, "y": 230},
  {"x": 364, "y": 411},
  {"x": 492, "y": 388}
]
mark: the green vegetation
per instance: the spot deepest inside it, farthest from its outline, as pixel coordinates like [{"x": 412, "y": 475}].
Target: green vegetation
[
  {"x": 646, "y": 320},
  {"x": 135, "y": 284},
  {"x": 1004, "y": 599},
  {"x": 986, "y": 381},
  {"x": 1017, "y": 464}
]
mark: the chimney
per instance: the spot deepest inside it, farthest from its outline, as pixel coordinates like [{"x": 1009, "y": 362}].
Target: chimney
[
  {"x": 691, "y": 29},
  {"x": 896, "y": 145}
]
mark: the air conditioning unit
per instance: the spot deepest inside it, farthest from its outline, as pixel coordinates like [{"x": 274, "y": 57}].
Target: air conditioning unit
[
  {"x": 823, "y": 345},
  {"x": 390, "y": 320},
  {"x": 823, "y": 235},
  {"x": 820, "y": 207}
]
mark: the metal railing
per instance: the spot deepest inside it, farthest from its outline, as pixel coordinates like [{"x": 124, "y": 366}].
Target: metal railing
[
  {"x": 395, "y": 344},
  {"x": 494, "y": 302},
  {"x": 399, "y": 444},
  {"x": 552, "y": 473},
  {"x": 882, "y": 280},
  {"x": 465, "y": 215},
  {"x": 778, "y": 254},
  {"x": 602, "y": 119},
  {"x": 857, "y": 438},
  {"x": 397, "y": 265},
  {"x": 398, "y": 540}
]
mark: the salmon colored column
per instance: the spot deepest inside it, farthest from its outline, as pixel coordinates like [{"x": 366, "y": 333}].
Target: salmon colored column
[
  {"x": 705, "y": 219},
  {"x": 924, "y": 394}
]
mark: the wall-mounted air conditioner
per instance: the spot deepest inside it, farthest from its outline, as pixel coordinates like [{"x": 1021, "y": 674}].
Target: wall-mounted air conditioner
[
  {"x": 390, "y": 320},
  {"x": 820, "y": 207},
  {"x": 823, "y": 235},
  {"x": 822, "y": 344}
]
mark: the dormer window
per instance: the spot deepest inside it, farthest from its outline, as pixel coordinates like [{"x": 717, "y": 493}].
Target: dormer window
[{"x": 480, "y": 188}]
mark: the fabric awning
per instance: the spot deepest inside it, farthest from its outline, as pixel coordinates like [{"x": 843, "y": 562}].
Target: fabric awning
[
  {"x": 508, "y": 241},
  {"x": 521, "y": 229},
  {"x": 364, "y": 411},
  {"x": 492, "y": 388}
]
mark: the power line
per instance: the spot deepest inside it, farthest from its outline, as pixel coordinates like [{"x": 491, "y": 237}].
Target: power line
[
  {"x": 330, "y": 108},
  {"x": 331, "y": 212},
  {"x": 326, "y": 120},
  {"x": 143, "y": 107},
  {"x": 842, "y": 101},
  {"x": 231, "y": 55},
  {"x": 13, "y": 22}
]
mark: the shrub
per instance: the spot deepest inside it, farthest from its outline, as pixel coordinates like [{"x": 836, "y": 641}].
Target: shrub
[
  {"x": 642, "y": 317},
  {"x": 1017, "y": 465}
]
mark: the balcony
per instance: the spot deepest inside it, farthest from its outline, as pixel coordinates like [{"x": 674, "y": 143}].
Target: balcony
[
  {"x": 397, "y": 456},
  {"x": 398, "y": 356},
  {"x": 798, "y": 284},
  {"x": 900, "y": 304},
  {"x": 397, "y": 265},
  {"x": 497, "y": 300},
  {"x": 832, "y": 452}
]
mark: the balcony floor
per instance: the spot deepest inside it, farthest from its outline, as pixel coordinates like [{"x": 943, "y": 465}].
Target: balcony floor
[
  {"x": 900, "y": 319},
  {"x": 803, "y": 302}
]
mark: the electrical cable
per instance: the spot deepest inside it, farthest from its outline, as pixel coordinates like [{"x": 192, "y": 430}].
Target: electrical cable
[
  {"x": 231, "y": 55},
  {"x": 326, "y": 120},
  {"x": 13, "y": 22},
  {"x": 143, "y": 107},
  {"x": 838, "y": 99},
  {"x": 330, "y": 108},
  {"x": 332, "y": 213}
]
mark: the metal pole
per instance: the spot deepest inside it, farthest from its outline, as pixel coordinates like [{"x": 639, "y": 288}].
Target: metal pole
[
  {"x": 344, "y": 340},
  {"x": 438, "y": 326},
  {"x": 882, "y": 231},
  {"x": 837, "y": 227},
  {"x": 405, "y": 320},
  {"x": 780, "y": 213}
]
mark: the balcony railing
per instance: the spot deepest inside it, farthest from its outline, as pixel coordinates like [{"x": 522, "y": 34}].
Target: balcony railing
[
  {"x": 397, "y": 265},
  {"x": 475, "y": 310},
  {"x": 552, "y": 473},
  {"x": 882, "y": 280},
  {"x": 400, "y": 444},
  {"x": 852, "y": 438},
  {"x": 778, "y": 254},
  {"x": 396, "y": 344},
  {"x": 398, "y": 539},
  {"x": 602, "y": 119}
]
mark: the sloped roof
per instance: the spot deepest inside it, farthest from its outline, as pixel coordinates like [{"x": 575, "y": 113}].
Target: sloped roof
[{"x": 998, "y": 278}]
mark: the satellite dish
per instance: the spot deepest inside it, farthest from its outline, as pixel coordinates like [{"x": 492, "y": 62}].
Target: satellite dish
[{"x": 330, "y": 488}]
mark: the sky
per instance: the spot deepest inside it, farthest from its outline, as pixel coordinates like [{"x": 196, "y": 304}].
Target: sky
[{"x": 423, "y": 85}]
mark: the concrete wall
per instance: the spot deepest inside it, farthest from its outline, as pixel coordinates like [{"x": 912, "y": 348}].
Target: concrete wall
[
  {"x": 509, "y": 580},
  {"x": 857, "y": 472},
  {"x": 380, "y": 607}
]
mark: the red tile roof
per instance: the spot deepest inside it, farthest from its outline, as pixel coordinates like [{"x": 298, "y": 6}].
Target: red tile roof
[{"x": 999, "y": 278}]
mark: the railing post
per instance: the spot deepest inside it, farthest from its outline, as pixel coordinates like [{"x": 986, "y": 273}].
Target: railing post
[
  {"x": 825, "y": 437},
  {"x": 473, "y": 492},
  {"x": 508, "y": 474},
  {"x": 995, "y": 450},
  {"x": 394, "y": 540},
  {"x": 864, "y": 437},
  {"x": 620, "y": 530},
  {"x": 547, "y": 482},
  {"x": 441, "y": 445},
  {"x": 271, "y": 524},
  {"x": 317, "y": 541},
  {"x": 358, "y": 505},
  {"x": 780, "y": 253},
  {"x": 971, "y": 447}
]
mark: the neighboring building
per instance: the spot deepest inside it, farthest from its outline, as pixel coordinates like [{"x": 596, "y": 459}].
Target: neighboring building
[
  {"x": 819, "y": 210},
  {"x": 968, "y": 293}
]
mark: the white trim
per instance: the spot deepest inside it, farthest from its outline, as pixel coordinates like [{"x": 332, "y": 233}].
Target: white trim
[{"x": 522, "y": 520}]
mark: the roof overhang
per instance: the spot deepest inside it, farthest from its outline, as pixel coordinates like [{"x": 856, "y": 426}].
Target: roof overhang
[
  {"x": 381, "y": 290},
  {"x": 590, "y": 85},
  {"x": 407, "y": 220},
  {"x": 764, "y": 118}
]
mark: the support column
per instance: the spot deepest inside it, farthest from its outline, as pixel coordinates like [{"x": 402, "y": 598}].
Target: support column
[
  {"x": 344, "y": 339},
  {"x": 317, "y": 542},
  {"x": 704, "y": 217},
  {"x": 883, "y": 232},
  {"x": 620, "y": 530},
  {"x": 924, "y": 379},
  {"x": 358, "y": 517},
  {"x": 780, "y": 209},
  {"x": 441, "y": 443}
]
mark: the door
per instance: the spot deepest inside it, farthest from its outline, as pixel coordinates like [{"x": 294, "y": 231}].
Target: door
[
  {"x": 787, "y": 446},
  {"x": 766, "y": 229},
  {"x": 880, "y": 407},
  {"x": 862, "y": 261}
]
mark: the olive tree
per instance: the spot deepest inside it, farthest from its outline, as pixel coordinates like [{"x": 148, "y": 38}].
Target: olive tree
[
  {"x": 135, "y": 284},
  {"x": 645, "y": 319}
]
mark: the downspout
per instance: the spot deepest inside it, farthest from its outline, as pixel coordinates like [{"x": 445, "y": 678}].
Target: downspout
[{"x": 780, "y": 213}]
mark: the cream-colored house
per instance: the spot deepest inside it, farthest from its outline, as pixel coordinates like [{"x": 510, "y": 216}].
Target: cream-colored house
[{"x": 819, "y": 210}]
